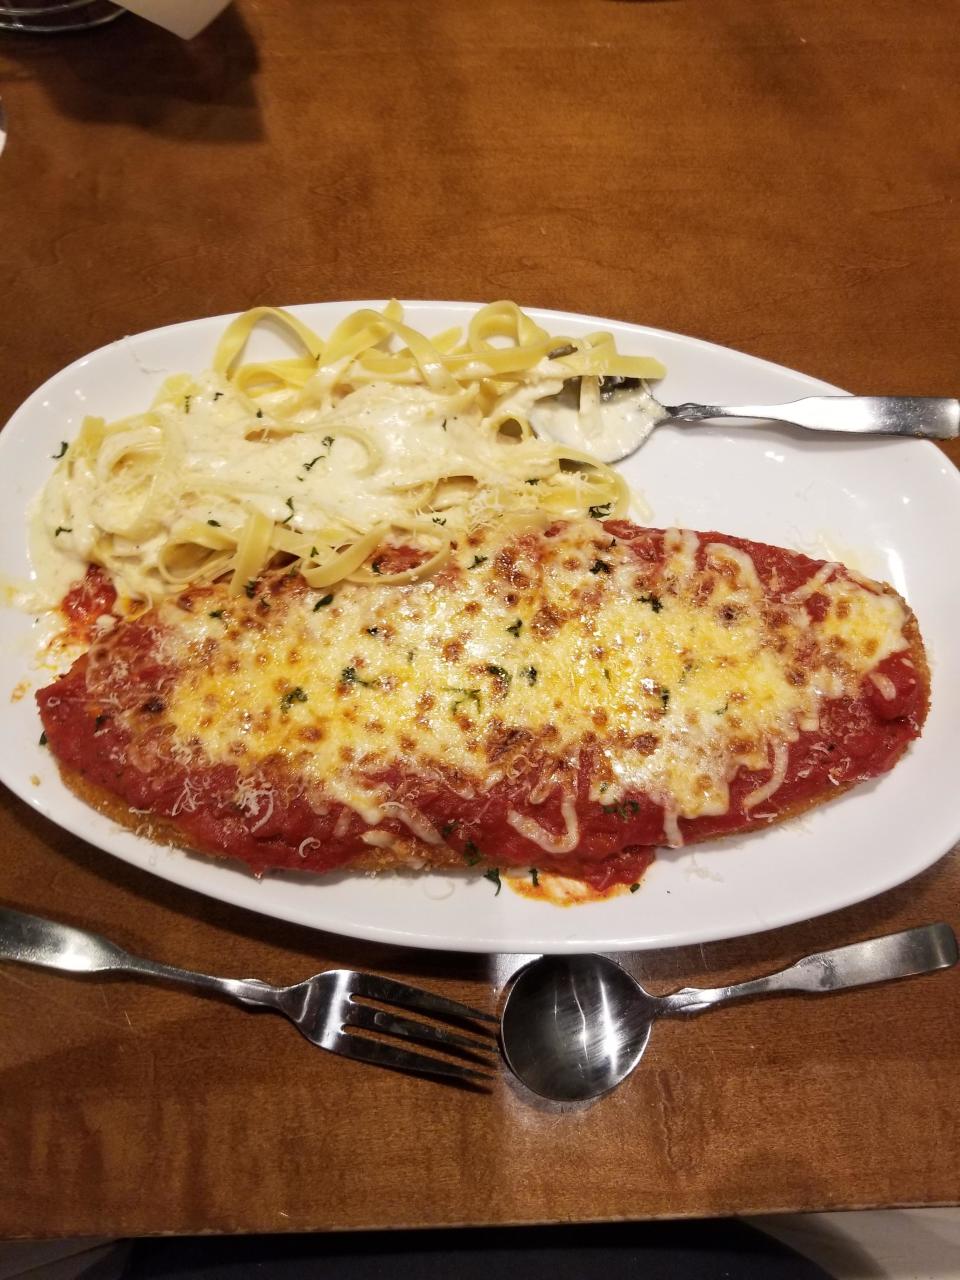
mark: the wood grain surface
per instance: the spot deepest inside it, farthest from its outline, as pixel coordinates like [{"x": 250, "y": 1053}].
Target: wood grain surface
[{"x": 780, "y": 176}]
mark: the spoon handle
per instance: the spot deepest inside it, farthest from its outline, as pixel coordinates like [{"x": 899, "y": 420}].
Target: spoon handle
[
  {"x": 925, "y": 417},
  {"x": 895, "y": 955}
]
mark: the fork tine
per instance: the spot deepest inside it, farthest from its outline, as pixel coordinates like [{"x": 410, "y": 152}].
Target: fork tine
[
  {"x": 398, "y": 993},
  {"x": 385, "y": 1055},
  {"x": 361, "y": 1015}
]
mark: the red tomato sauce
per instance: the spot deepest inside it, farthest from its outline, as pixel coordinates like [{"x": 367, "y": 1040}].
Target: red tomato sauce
[
  {"x": 616, "y": 843},
  {"x": 858, "y": 738},
  {"x": 85, "y": 602}
]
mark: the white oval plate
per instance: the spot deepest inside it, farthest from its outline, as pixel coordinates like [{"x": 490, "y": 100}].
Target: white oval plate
[{"x": 891, "y": 508}]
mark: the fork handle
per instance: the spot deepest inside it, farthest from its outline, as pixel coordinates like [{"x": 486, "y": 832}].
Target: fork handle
[
  {"x": 925, "y": 417},
  {"x": 32, "y": 940},
  {"x": 895, "y": 955}
]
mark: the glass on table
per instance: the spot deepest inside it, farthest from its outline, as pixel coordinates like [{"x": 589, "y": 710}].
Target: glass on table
[{"x": 55, "y": 15}]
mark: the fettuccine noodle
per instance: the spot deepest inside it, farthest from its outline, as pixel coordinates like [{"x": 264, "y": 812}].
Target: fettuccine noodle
[{"x": 376, "y": 434}]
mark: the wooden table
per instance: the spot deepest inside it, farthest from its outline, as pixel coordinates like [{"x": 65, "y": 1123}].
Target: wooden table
[{"x": 777, "y": 175}]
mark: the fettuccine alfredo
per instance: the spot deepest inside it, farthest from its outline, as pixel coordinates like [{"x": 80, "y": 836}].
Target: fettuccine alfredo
[{"x": 375, "y": 434}]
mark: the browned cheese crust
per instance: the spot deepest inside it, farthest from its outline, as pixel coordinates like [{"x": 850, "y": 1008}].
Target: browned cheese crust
[{"x": 409, "y": 853}]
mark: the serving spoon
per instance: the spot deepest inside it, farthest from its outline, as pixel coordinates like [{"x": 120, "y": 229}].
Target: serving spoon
[
  {"x": 627, "y": 413},
  {"x": 573, "y": 1027}
]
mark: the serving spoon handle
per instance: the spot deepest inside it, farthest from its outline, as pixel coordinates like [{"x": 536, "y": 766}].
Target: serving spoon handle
[
  {"x": 897, "y": 955},
  {"x": 924, "y": 417}
]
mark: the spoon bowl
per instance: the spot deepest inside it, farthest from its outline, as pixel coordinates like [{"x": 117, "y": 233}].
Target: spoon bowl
[{"x": 573, "y": 1027}]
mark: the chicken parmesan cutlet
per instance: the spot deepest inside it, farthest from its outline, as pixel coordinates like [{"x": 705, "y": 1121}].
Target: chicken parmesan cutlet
[{"x": 567, "y": 696}]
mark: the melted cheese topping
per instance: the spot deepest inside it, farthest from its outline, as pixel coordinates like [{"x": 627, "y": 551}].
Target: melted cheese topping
[{"x": 506, "y": 665}]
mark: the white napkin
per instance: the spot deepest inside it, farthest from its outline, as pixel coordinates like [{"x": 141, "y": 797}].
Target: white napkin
[{"x": 183, "y": 17}]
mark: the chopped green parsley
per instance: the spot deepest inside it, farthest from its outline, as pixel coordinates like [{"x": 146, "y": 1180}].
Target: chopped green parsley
[
  {"x": 290, "y": 697},
  {"x": 493, "y": 875},
  {"x": 462, "y": 696},
  {"x": 623, "y": 811},
  {"x": 349, "y": 676}
]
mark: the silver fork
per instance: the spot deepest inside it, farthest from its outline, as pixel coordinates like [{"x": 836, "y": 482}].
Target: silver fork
[{"x": 327, "y": 1008}]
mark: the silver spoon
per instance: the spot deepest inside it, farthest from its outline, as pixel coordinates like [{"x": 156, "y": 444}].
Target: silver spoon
[
  {"x": 627, "y": 413},
  {"x": 573, "y": 1027}
]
